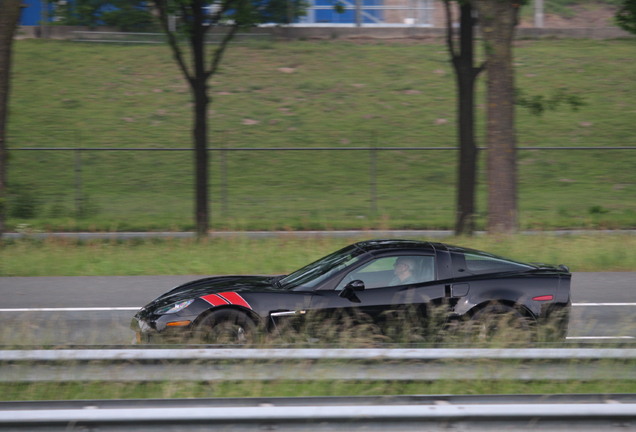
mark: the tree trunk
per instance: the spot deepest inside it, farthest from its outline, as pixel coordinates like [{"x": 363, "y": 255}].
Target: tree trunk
[
  {"x": 9, "y": 16},
  {"x": 201, "y": 158},
  {"x": 497, "y": 19},
  {"x": 200, "y": 127},
  {"x": 467, "y": 172},
  {"x": 466, "y": 74}
]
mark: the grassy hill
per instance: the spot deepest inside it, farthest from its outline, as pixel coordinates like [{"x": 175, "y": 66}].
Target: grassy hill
[{"x": 311, "y": 95}]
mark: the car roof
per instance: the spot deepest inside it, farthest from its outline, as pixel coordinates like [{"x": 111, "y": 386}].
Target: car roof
[{"x": 396, "y": 244}]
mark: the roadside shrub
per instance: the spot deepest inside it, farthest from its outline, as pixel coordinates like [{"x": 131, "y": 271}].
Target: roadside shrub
[
  {"x": 23, "y": 202},
  {"x": 86, "y": 208}
]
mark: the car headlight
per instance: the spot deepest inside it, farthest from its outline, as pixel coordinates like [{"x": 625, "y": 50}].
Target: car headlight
[{"x": 174, "y": 307}]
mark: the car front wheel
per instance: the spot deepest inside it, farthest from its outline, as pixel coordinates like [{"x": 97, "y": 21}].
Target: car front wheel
[{"x": 225, "y": 326}]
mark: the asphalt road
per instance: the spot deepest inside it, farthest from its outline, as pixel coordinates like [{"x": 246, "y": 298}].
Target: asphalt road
[{"x": 97, "y": 310}]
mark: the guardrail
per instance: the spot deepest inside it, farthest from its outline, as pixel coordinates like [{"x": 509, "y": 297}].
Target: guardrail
[
  {"x": 222, "y": 364},
  {"x": 399, "y": 413}
]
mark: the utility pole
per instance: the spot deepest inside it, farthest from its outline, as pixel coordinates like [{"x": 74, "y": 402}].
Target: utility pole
[
  {"x": 358, "y": 13},
  {"x": 538, "y": 13}
]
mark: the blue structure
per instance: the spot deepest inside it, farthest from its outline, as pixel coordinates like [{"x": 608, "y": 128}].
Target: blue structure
[
  {"x": 324, "y": 12},
  {"x": 32, "y": 13}
]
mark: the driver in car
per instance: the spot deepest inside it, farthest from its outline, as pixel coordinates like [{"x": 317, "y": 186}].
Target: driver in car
[{"x": 403, "y": 269}]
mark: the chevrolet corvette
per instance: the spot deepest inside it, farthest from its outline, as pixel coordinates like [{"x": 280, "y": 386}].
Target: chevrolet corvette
[{"x": 380, "y": 280}]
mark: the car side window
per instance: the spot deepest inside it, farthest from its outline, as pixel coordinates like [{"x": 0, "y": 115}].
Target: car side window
[
  {"x": 393, "y": 271},
  {"x": 465, "y": 264}
]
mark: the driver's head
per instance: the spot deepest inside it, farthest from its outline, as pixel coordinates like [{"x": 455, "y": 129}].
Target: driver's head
[{"x": 405, "y": 264}]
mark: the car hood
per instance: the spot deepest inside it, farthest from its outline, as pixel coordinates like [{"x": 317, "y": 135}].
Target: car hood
[
  {"x": 218, "y": 284},
  {"x": 561, "y": 268}
]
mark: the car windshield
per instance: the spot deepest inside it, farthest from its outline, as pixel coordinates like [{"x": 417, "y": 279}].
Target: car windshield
[{"x": 314, "y": 273}]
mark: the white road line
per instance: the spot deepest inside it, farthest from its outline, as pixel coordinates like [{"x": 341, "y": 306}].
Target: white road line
[
  {"x": 76, "y": 309},
  {"x": 604, "y": 304},
  {"x": 136, "y": 308},
  {"x": 598, "y": 337}
]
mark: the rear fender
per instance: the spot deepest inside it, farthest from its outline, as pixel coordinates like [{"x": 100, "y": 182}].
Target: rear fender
[
  {"x": 468, "y": 306},
  {"x": 517, "y": 306}
]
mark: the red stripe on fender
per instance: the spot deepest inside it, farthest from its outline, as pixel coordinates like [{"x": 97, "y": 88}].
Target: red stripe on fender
[
  {"x": 543, "y": 298},
  {"x": 235, "y": 299},
  {"x": 215, "y": 300}
]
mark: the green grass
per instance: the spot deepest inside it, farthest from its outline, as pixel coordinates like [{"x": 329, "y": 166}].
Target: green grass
[
  {"x": 98, "y": 390},
  {"x": 242, "y": 255},
  {"x": 340, "y": 94}
]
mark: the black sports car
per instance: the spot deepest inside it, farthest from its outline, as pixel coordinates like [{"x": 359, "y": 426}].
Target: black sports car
[{"x": 376, "y": 282}]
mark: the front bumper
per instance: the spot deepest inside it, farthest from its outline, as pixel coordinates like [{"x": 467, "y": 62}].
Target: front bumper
[{"x": 166, "y": 328}]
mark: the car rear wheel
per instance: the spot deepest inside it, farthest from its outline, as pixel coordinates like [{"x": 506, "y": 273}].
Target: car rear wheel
[
  {"x": 496, "y": 324},
  {"x": 225, "y": 326}
]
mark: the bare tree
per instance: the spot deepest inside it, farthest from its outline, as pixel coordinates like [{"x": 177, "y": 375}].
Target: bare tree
[
  {"x": 9, "y": 16},
  {"x": 199, "y": 60},
  {"x": 466, "y": 73},
  {"x": 497, "y": 21},
  {"x": 198, "y": 18}
]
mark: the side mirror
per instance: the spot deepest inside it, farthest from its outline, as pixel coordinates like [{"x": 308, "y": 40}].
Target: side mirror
[{"x": 350, "y": 289}]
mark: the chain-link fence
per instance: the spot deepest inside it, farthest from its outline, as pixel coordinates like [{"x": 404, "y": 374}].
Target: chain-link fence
[{"x": 307, "y": 188}]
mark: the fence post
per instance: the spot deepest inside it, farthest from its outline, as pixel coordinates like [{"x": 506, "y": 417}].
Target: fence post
[
  {"x": 78, "y": 183},
  {"x": 373, "y": 161},
  {"x": 224, "y": 195}
]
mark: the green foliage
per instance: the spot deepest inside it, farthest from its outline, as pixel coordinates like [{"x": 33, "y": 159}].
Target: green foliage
[
  {"x": 77, "y": 13},
  {"x": 282, "y": 11},
  {"x": 597, "y": 209},
  {"x": 23, "y": 202},
  {"x": 538, "y": 104},
  {"x": 565, "y": 8},
  {"x": 129, "y": 17},
  {"x": 126, "y": 15},
  {"x": 626, "y": 16},
  {"x": 86, "y": 208},
  {"x": 241, "y": 13},
  {"x": 339, "y": 7}
]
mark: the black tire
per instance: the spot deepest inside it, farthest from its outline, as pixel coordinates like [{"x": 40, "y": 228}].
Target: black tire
[{"x": 225, "y": 326}]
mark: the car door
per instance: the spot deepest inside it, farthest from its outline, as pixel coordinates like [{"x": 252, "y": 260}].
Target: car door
[{"x": 383, "y": 299}]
